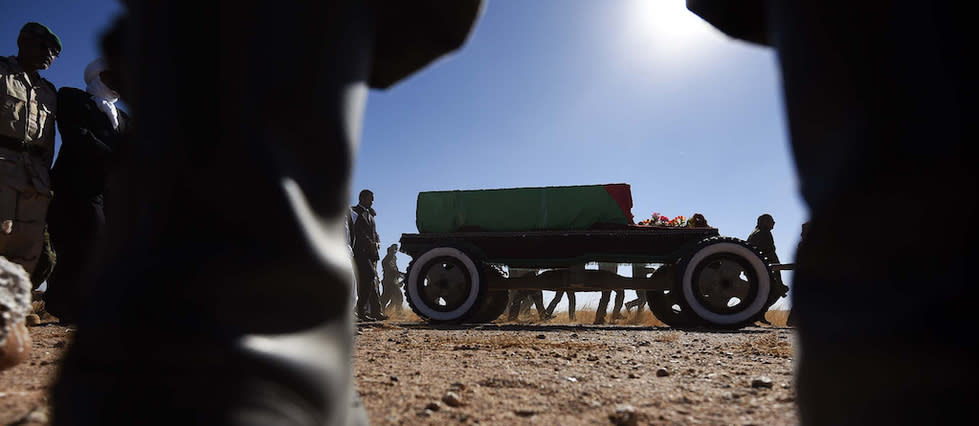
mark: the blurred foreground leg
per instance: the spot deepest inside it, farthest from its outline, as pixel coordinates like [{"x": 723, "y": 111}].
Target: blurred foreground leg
[{"x": 226, "y": 298}]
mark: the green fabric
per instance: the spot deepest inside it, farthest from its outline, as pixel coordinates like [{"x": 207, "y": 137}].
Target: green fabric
[{"x": 517, "y": 209}]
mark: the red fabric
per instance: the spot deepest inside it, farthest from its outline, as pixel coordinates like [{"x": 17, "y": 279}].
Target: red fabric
[{"x": 622, "y": 194}]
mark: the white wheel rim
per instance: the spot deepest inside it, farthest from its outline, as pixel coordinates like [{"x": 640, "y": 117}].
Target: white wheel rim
[
  {"x": 754, "y": 307},
  {"x": 414, "y": 280}
]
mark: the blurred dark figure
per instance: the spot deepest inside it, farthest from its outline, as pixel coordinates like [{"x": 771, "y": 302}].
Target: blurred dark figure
[
  {"x": 28, "y": 107},
  {"x": 227, "y": 293},
  {"x": 791, "y": 320},
  {"x": 875, "y": 98},
  {"x": 365, "y": 243},
  {"x": 92, "y": 130},
  {"x": 391, "y": 296}
]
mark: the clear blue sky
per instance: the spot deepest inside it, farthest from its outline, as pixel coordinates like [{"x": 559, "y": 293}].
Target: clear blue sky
[{"x": 555, "y": 92}]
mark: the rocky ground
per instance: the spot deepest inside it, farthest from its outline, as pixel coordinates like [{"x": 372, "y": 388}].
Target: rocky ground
[
  {"x": 521, "y": 373},
  {"x": 410, "y": 373}
]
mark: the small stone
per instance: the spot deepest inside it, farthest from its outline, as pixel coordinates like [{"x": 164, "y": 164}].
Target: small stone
[
  {"x": 59, "y": 344},
  {"x": 32, "y": 320},
  {"x": 39, "y": 415},
  {"x": 425, "y": 413},
  {"x": 434, "y": 406},
  {"x": 394, "y": 378},
  {"x": 457, "y": 386},
  {"x": 525, "y": 412},
  {"x": 452, "y": 399},
  {"x": 624, "y": 415},
  {"x": 662, "y": 372},
  {"x": 633, "y": 376},
  {"x": 541, "y": 336},
  {"x": 762, "y": 382},
  {"x": 571, "y": 379}
]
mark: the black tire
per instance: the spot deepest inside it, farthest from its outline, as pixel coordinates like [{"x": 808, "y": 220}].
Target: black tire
[
  {"x": 445, "y": 285},
  {"x": 490, "y": 307},
  {"x": 725, "y": 282},
  {"x": 667, "y": 308}
]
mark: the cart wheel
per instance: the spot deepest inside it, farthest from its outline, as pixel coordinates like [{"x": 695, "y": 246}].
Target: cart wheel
[
  {"x": 444, "y": 285},
  {"x": 490, "y": 307},
  {"x": 666, "y": 305},
  {"x": 724, "y": 282}
]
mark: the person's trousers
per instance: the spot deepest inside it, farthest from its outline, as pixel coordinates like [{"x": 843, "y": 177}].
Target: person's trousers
[
  {"x": 22, "y": 208},
  {"x": 557, "y": 299},
  {"x": 391, "y": 296},
  {"x": 874, "y": 94},
  {"x": 368, "y": 301},
  {"x": 603, "y": 305},
  {"x": 77, "y": 230},
  {"x": 521, "y": 299},
  {"x": 226, "y": 296}
]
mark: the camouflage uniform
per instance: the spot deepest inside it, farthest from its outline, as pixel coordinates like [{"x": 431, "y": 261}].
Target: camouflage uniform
[{"x": 27, "y": 114}]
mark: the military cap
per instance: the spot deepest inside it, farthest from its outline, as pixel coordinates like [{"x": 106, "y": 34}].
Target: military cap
[{"x": 42, "y": 31}]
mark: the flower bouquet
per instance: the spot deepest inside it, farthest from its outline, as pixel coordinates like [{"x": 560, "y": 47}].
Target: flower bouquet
[{"x": 661, "y": 220}]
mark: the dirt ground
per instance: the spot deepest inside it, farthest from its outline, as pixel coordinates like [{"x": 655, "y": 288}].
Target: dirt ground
[
  {"x": 523, "y": 373},
  {"x": 574, "y": 374}
]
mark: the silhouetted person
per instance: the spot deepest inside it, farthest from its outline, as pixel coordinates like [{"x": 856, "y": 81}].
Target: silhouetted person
[
  {"x": 365, "y": 243},
  {"x": 227, "y": 295},
  {"x": 549, "y": 311},
  {"x": 92, "y": 131},
  {"x": 391, "y": 296},
  {"x": 639, "y": 270},
  {"x": 875, "y": 98},
  {"x": 28, "y": 107},
  {"x": 521, "y": 299},
  {"x": 761, "y": 237},
  {"x": 606, "y": 295}
]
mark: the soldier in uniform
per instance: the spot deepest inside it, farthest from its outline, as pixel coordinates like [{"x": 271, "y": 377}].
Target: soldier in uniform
[
  {"x": 391, "y": 296},
  {"x": 761, "y": 237},
  {"x": 365, "y": 244},
  {"x": 27, "y": 116}
]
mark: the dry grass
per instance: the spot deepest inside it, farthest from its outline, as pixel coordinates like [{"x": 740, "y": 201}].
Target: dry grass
[
  {"x": 404, "y": 315},
  {"x": 587, "y": 316},
  {"x": 769, "y": 344},
  {"x": 777, "y": 317}
]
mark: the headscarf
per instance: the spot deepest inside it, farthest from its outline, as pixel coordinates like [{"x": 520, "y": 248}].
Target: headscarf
[{"x": 104, "y": 97}]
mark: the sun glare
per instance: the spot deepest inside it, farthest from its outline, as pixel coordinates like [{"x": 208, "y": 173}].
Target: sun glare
[{"x": 666, "y": 26}]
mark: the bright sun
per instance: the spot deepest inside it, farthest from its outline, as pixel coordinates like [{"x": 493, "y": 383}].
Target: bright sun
[{"x": 666, "y": 26}]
